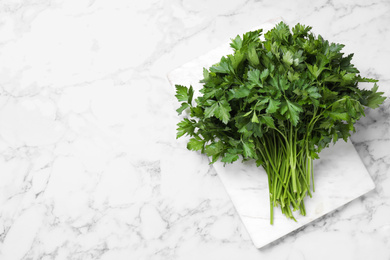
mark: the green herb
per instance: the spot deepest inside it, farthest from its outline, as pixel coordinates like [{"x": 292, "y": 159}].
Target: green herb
[{"x": 278, "y": 101}]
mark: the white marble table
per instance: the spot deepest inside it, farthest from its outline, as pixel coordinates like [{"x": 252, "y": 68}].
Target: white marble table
[{"x": 89, "y": 164}]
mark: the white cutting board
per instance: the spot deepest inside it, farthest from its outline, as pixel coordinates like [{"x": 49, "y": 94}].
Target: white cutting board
[{"x": 339, "y": 174}]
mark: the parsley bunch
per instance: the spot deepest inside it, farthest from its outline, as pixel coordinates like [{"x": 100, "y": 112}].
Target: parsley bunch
[{"x": 278, "y": 101}]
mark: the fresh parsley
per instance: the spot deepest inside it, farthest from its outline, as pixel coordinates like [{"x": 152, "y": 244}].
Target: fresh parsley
[{"x": 278, "y": 101}]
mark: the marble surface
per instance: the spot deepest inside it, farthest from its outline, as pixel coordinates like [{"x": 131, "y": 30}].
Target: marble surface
[
  {"x": 89, "y": 164},
  {"x": 340, "y": 175}
]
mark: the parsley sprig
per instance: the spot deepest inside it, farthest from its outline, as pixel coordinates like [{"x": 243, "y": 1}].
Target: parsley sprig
[{"x": 278, "y": 101}]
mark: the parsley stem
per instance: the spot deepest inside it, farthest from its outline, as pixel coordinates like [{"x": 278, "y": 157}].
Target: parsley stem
[{"x": 288, "y": 166}]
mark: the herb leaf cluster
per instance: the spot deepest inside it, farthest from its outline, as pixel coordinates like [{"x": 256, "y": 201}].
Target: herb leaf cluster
[{"x": 279, "y": 101}]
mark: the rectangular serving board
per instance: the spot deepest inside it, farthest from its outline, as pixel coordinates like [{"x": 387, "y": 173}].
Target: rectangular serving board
[{"x": 339, "y": 174}]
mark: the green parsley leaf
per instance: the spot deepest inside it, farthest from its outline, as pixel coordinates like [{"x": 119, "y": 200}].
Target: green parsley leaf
[
  {"x": 254, "y": 78},
  {"x": 252, "y": 55},
  {"x": 210, "y": 111},
  {"x": 185, "y": 127},
  {"x": 291, "y": 110},
  {"x": 255, "y": 119},
  {"x": 224, "y": 66},
  {"x": 230, "y": 156},
  {"x": 374, "y": 99},
  {"x": 273, "y": 106},
  {"x": 195, "y": 144},
  {"x": 264, "y": 74},
  {"x": 288, "y": 58},
  {"x": 182, "y": 108},
  {"x": 236, "y": 43},
  {"x": 181, "y": 93},
  {"x": 236, "y": 59},
  {"x": 268, "y": 120},
  {"x": 222, "y": 111},
  {"x": 249, "y": 149}
]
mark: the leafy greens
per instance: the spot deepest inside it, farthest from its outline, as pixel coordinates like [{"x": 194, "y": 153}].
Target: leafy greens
[{"x": 278, "y": 101}]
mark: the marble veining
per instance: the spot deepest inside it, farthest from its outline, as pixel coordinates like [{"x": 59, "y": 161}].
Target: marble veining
[{"x": 89, "y": 164}]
